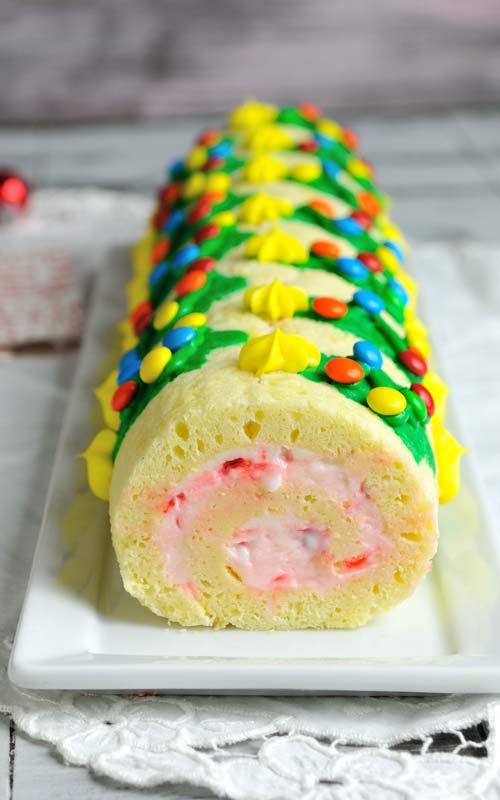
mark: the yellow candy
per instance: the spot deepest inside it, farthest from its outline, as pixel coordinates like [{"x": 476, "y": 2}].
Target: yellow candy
[
  {"x": 268, "y": 137},
  {"x": 251, "y": 114},
  {"x": 275, "y": 300},
  {"x": 358, "y": 168},
  {"x": 218, "y": 182},
  {"x": 386, "y": 400},
  {"x": 225, "y": 219},
  {"x": 389, "y": 229},
  {"x": 276, "y": 246},
  {"x": 278, "y": 351},
  {"x": 197, "y": 157},
  {"x": 104, "y": 393},
  {"x": 261, "y": 207},
  {"x": 194, "y": 320},
  {"x": 263, "y": 169},
  {"x": 448, "y": 453},
  {"x": 329, "y": 128},
  {"x": 165, "y": 314},
  {"x": 306, "y": 172},
  {"x": 388, "y": 259},
  {"x": 99, "y": 462},
  {"x": 154, "y": 363},
  {"x": 194, "y": 185}
]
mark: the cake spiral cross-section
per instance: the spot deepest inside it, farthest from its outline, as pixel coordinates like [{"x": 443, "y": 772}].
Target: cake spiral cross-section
[{"x": 274, "y": 449}]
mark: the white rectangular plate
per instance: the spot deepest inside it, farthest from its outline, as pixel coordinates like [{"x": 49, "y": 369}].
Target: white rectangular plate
[{"x": 80, "y": 630}]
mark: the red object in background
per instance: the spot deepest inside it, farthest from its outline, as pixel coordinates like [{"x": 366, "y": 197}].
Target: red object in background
[{"x": 14, "y": 191}]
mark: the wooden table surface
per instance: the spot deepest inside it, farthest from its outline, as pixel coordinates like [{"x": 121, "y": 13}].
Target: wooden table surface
[{"x": 443, "y": 171}]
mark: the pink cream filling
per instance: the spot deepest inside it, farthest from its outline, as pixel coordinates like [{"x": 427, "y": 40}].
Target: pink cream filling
[{"x": 272, "y": 551}]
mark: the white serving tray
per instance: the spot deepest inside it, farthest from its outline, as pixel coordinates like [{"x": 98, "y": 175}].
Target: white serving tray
[{"x": 80, "y": 630}]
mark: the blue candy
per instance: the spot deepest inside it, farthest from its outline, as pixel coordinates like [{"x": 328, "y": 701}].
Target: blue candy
[
  {"x": 129, "y": 366},
  {"x": 369, "y": 301},
  {"x": 178, "y": 337},
  {"x": 176, "y": 168},
  {"x": 330, "y": 168},
  {"x": 368, "y": 353},
  {"x": 348, "y": 227},
  {"x": 396, "y": 250},
  {"x": 322, "y": 140},
  {"x": 223, "y": 149},
  {"x": 158, "y": 273},
  {"x": 185, "y": 255},
  {"x": 400, "y": 290},
  {"x": 175, "y": 219},
  {"x": 352, "y": 268}
]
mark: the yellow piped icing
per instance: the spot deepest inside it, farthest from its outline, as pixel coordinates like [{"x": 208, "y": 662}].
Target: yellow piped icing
[
  {"x": 264, "y": 169},
  {"x": 104, "y": 393},
  {"x": 268, "y": 137},
  {"x": 276, "y": 246},
  {"x": 439, "y": 391},
  {"x": 448, "y": 453},
  {"x": 275, "y": 300},
  {"x": 251, "y": 114},
  {"x": 278, "y": 351},
  {"x": 99, "y": 462},
  {"x": 128, "y": 339},
  {"x": 261, "y": 207}
]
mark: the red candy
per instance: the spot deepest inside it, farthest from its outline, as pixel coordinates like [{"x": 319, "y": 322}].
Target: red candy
[
  {"x": 350, "y": 139},
  {"x": 214, "y": 162},
  {"x": 160, "y": 217},
  {"x": 325, "y": 249},
  {"x": 363, "y": 219},
  {"x": 309, "y": 111},
  {"x": 160, "y": 250},
  {"x": 426, "y": 396},
  {"x": 413, "y": 360},
  {"x": 170, "y": 194},
  {"x": 309, "y": 146},
  {"x": 123, "y": 396},
  {"x": 208, "y": 138},
  {"x": 344, "y": 370},
  {"x": 141, "y": 316},
  {"x": 190, "y": 282},
  {"x": 203, "y": 264},
  {"x": 209, "y": 231},
  {"x": 370, "y": 261},
  {"x": 329, "y": 307}
]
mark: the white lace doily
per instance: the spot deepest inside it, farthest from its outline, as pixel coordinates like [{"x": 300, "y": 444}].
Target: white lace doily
[{"x": 255, "y": 748}]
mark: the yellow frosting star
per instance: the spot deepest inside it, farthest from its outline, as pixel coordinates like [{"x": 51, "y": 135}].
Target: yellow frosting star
[
  {"x": 99, "y": 463},
  {"x": 276, "y": 246},
  {"x": 268, "y": 137},
  {"x": 104, "y": 393},
  {"x": 137, "y": 291},
  {"x": 278, "y": 351},
  {"x": 416, "y": 332},
  {"x": 127, "y": 335},
  {"x": 261, "y": 207},
  {"x": 275, "y": 300},
  {"x": 251, "y": 114},
  {"x": 439, "y": 392},
  {"x": 141, "y": 254},
  {"x": 264, "y": 169},
  {"x": 448, "y": 454}
]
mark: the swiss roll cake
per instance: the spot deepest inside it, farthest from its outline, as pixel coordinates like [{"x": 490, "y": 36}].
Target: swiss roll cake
[{"x": 273, "y": 449}]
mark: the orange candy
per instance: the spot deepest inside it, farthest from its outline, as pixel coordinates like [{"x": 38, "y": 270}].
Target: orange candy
[
  {"x": 369, "y": 203},
  {"x": 344, "y": 370},
  {"x": 350, "y": 139},
  {"x": 190, "y": 282},
  {"x": 160, "y": 250},
  {"x": 329, "y": 307},
  {"x": 309, "y": 111},
  {"x": 322, "y": 207},
  {"x": 325, "y": 249},
  {"x": 208, "y": 137}
]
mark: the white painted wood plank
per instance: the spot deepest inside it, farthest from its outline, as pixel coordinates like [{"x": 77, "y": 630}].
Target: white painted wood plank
[
  {"x": 4, "y": 758},
  {"x": 40, "y": 774}
]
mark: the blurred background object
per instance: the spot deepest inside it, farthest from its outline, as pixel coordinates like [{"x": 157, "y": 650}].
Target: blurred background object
[{"x": 62, "y": 60}]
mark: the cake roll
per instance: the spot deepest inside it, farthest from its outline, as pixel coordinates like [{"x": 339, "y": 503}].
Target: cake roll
[{"x": 273, "y": 449}]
